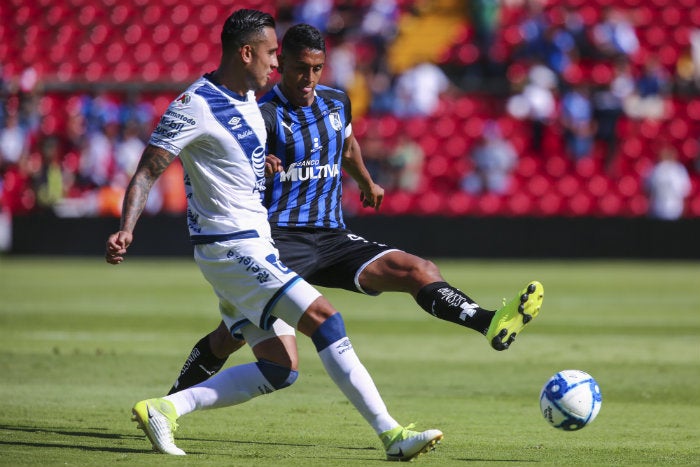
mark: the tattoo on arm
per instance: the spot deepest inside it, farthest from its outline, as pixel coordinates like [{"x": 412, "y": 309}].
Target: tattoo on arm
[{"x": 153, "y": 163}]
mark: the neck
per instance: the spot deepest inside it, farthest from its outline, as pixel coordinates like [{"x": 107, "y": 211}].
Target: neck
[{"x": 230, "y": 80}]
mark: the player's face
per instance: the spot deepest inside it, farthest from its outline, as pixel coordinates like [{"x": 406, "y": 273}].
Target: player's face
[
  {"x": 264, "y": 59},
  {"x": 300, "y": 75}
]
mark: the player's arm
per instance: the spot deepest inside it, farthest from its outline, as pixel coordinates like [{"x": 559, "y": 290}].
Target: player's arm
[
  {"x": 153, "y": 163},
  {"x": 371, "y": 194}
]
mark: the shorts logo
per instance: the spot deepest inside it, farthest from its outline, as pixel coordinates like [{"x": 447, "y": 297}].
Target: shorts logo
[{"x": 275, "y": 261}]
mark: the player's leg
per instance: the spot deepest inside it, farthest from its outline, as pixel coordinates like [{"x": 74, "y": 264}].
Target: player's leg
[
  {"x": 207, "y": 357},
  {"x": 398, "y": 271},
  {"x": 401, "y": 271},
  {"x": 276, "y": 368},
  {"x": 326, "y": 328},
  {"x": 210, "y": 353}
]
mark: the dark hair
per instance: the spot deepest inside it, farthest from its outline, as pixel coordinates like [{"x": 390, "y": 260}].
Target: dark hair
[
  {"x": 300, "y": 37},
  {"x": 244, "y": 27}
]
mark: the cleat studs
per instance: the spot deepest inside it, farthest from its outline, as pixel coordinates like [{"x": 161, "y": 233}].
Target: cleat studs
[
  {"x": 521, "y": 308},
  {"x": 531, "y": 288},
  {"x": 503, "y": 333},
  {"x": 524, "y": 297},
  {"x": 526, "y": 318}
]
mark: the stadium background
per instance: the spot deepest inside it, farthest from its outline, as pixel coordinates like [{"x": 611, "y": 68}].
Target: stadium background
[{"x": 79, "y": 63}]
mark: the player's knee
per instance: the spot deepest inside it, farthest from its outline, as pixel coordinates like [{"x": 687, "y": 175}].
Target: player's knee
[
  {"x": 424, "y": 272},
  {"x": 223, "y": 343},
  {"x": 278, "y": 376}
]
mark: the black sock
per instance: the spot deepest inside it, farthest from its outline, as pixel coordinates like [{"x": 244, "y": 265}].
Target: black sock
[
  {"x": 200, "y": 365},
  {"x": 442, "y": 300}
]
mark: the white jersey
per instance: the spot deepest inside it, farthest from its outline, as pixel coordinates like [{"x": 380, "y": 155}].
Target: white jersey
[{"x": 220, "y": 139}]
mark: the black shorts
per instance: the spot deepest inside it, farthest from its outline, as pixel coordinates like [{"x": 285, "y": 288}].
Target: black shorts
[{"x": 327, "y": 257}]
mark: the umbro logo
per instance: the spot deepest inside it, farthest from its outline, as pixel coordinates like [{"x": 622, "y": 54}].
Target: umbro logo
[
  {"x": 235, "y": 122},
  {"x": 344, "y": 346}
]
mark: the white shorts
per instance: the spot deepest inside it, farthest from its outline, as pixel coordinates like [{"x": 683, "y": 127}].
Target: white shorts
[{"x": 254, "y": 288}]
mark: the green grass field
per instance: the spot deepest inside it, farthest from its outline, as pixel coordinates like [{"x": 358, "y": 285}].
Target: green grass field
[{"x": 82, "y": 341}]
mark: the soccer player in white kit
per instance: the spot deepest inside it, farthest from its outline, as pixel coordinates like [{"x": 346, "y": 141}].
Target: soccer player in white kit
[{"x": 216, "y": 129}]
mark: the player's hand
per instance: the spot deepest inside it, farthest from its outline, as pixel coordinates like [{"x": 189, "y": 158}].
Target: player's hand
[
  {"x": 117, "y": 243},
  {"x": 372, "y": 197},
  {"x": 272, "y": 165}
]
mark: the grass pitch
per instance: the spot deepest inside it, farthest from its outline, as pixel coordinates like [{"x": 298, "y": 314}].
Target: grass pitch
[{"x": 81, "y": 341}]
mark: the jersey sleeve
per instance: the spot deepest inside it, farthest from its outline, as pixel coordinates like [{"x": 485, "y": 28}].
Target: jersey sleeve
[{"x": 178, "y": 127}]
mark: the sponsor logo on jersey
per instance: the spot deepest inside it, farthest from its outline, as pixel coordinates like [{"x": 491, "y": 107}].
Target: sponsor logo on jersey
[
  {"x": 179, "y": 116},
  {"x": 245, "y": 134},
  {"x": 297, "y": 172},
  {"x": 336, "y": 123}
]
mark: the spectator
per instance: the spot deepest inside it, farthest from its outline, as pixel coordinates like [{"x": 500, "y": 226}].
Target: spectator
[
  {"x": 47, "y": 178},
  {"x": 494, "y": 159},
  {"x": 536, "y": 103},
  {"x": 418, "y": 90},
  {"x": 14, "y": 142},
  {"x": 97, "y": 157},
  {"x": 314, "y": 12},
  {"x": 485, "y": 16},
  {"x": 651, "y": 91},
  {"x": 405, "y": 162},
  {"x": 533, "y": 31},
  {"x": 615, "y": 36},
  {"x": 668, "y": 184},
  {"x": 127, "y": 152},
  {"x": 577, "y": 121},
  {"x": 608, "y": 105}
]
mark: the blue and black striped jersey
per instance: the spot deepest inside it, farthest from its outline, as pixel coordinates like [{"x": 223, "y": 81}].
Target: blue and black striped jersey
[{"x": 309, "y": 142}]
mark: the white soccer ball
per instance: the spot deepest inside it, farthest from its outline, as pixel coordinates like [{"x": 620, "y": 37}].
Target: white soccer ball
[{"x": 570, "y": 400}]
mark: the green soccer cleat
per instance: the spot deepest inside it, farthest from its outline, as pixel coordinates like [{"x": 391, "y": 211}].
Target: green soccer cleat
[
  {"x": 514, "y": 315},
  {"x": 402, "y": 444},
  {"x": 156, "y": 417}
]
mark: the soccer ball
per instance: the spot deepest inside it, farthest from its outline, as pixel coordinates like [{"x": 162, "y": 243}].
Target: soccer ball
[{"x": 570, "y": 400}]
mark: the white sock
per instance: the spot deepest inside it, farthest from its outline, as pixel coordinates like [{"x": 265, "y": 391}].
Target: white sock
[
  {"x": 350, "y": 375},
  {"x": 231, "y": 386}
]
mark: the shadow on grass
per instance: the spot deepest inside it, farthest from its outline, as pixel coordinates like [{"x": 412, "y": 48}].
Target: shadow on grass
[{"x": 101, "y": 434}]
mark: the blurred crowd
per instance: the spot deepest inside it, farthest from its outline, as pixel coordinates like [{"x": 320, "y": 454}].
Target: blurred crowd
[{"x": 80, "y": 166}]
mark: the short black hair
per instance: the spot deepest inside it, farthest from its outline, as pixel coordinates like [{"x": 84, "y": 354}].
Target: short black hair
[
  {"x": 300, "y": 37},
  {"x": 243, "y": 27}
]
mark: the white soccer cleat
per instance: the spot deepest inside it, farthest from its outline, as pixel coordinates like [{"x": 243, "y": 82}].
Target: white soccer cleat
[
  {"x": 156, "y": 417},
  {"x": 402, "y": 444}
]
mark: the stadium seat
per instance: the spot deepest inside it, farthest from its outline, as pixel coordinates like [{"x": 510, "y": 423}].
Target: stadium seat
[{"x": 459, "y": 204}]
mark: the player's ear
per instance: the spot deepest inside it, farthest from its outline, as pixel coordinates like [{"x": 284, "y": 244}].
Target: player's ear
[{"x": 246, "y": 53}]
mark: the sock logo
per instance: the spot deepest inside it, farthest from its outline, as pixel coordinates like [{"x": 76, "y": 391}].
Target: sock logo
[
  {"x": 453, "y": 298},
  {"x": 468, "y": 309},
  {"x": 344, "y": 346}
]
